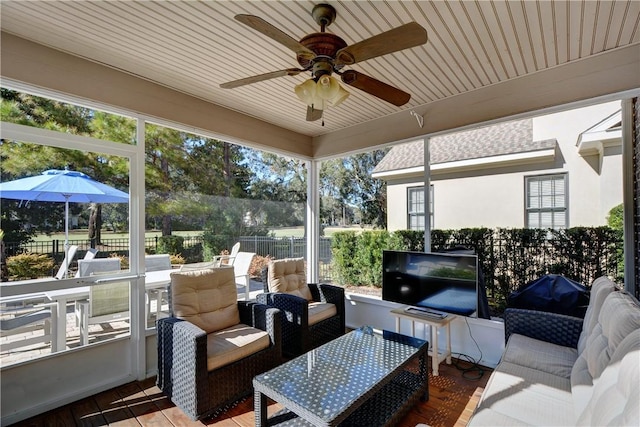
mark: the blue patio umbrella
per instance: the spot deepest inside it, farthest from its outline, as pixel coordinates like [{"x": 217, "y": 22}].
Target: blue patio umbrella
[{"x": 62, "y": 186}]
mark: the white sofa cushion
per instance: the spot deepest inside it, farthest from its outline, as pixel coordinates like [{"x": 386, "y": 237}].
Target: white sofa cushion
[
  {"x": 618, "y": 318},
  {"x": 600, "y": 289},
  {"x": 527, "y": 395},
  {"x": 615, "y": 400},
  {"x": 544, "y": 356}
]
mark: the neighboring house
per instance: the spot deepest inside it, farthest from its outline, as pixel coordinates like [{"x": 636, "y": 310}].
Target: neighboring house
[{"x": 554, "y": 171}]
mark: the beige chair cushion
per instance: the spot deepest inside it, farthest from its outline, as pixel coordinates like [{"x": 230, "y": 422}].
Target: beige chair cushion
[
  {"x": 206, "y": 298},
  {"x": 319, "y": 311},
  {"x": 288, "y": 276},
  {"x": 234, "y": 343}
]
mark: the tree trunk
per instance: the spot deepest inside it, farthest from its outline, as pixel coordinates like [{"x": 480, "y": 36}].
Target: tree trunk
[
  {"x": 4, "y": 270},
  {"x": 227, "y": 169},
  {"x": 95, "y": 225},
  {"x": 166, "y": 225},
  {"x": 166, "y": 219}
]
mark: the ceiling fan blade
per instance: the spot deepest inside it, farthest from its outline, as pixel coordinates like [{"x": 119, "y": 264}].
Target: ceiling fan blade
[
  {"x": 276, "y": 34},
  {"x": 375, "y": 87},
  {"x": 261, "y": 77},
  {"x": 313, "y": 114},
  {"x": 399, "y": 38}
]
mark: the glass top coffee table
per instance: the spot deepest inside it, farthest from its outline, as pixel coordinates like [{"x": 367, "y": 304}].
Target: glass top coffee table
[{"x": 359, "y": 379}]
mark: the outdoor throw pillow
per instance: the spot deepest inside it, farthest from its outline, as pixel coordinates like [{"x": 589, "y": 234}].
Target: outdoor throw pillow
[
  {"x": 288, "y": 276},
  {"x": 206, "y": 298}
]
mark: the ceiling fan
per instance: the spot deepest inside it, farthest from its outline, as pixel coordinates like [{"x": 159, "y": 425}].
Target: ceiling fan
[{"x": 323, "y": 54}]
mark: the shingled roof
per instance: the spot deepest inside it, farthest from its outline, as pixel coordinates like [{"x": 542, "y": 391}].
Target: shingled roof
[{"x": 495, "y": 140}]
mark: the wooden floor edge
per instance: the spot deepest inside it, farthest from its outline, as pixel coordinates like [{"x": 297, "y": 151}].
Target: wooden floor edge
[{"x": 464, "y": 418}]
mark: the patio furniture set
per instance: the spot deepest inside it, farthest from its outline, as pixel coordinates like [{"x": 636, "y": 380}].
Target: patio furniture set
[
  {"x": 103, "y": 302},
  {"x": 561, "y": 370},
  {"x": 214, "y": 350}
]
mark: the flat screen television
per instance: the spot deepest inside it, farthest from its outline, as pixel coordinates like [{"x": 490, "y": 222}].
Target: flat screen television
[{"x": 433, "y": 281}]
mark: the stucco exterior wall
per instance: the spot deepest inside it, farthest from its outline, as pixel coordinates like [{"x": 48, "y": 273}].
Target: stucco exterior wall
[
  {"x": 595, "y": 185},
  {"x": 495, "y": 197}
]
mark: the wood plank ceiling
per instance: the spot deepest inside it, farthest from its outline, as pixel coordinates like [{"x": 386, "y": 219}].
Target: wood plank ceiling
[{"x": 193, "y": 47}]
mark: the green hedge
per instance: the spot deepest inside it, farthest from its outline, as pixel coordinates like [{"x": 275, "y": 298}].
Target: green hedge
[{"x": 508, "y": 257}]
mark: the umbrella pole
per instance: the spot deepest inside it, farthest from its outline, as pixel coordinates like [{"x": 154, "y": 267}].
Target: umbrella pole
[{"x": 66, "y": 236}]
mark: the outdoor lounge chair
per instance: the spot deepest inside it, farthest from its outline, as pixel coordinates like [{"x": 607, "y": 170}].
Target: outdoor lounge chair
[
  {"x": 199, "y": 266},
  {"x": 313, "y": 314},
  {"x": 39, "y": 318},
  {"x": 212, "y": 345},
  {"x": 108, "y": 302},
  {"x": 231, "y": 258},
  {"x": 157, "y": 262},
  {"x": 66, "y": 262},
  {"x": 88, "y": 267},
  {"x": 241, "y": 266}
]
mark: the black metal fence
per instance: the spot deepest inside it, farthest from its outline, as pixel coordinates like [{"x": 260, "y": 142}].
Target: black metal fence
[
  {"x": 274, "y": 247},
  {"x": 508, "y": 258}
]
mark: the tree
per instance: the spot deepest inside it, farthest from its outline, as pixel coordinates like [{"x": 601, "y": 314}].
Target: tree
[
  {"x": 615, "y": 219},
  {"x": 19, "y": 158},
  {"x": 347, "y": 188},
  {"x": 280, "y": 184}
]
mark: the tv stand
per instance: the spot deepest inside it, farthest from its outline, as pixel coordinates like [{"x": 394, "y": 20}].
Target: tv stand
[
  {"x": 425, "y": 312},
  {"x": 433, "y": 319}
]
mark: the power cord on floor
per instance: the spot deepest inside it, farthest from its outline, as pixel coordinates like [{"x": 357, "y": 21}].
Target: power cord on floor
[{"x": 475, "y": 371}]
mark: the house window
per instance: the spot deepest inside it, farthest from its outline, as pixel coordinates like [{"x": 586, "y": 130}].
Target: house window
[
  {"x": 546, "y": 203},
  {"x": 415, "y": 208}
]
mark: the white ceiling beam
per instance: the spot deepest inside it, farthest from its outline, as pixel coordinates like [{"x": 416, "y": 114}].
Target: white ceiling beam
[
  {"x": 41, "y": 66},
  {"x": 610, "y": 73}
]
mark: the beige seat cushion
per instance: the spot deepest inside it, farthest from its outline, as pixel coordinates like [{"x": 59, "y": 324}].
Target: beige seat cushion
[
  {"x": 206, "y": 298},
  {"x": 234, "y": 343},
  {"x": 544, "y": 356},
  {"x": 319, "y": 311},
  {"x": 288, "y": 276}
]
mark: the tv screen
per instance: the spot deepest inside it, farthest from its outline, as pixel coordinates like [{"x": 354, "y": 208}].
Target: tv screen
[{"x": 435, "y": 281}]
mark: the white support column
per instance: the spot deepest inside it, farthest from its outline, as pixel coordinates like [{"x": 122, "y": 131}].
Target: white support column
[
  {"x": 136, "y": 254},
  {"x": 312, "y": 225},
  {"x": 627, "y": 195},
  {"x": 427, "y": 196}
]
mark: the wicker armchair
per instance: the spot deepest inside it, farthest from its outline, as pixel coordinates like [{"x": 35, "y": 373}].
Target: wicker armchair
[
  {"x": 313, "y": 314},
  {"x": 212, "y": 345}
]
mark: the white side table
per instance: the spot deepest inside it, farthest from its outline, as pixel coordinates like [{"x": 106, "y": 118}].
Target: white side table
[{"x": 436, "y": 355}]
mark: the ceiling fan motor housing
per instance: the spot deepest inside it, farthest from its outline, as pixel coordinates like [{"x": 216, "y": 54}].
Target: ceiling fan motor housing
[{"x": 322, "y": 44}]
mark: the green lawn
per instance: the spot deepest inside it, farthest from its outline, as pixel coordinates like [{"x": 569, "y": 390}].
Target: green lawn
[
  {"x": 83, "y": 234},
  {"x": 278, "y": 232}
]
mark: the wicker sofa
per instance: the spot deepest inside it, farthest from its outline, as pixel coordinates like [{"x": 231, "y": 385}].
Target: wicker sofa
[{"x": 560, "y": 370}]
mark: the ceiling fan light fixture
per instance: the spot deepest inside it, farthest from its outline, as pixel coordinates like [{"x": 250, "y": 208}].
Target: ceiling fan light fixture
[
  {"x": 306, "y": 91},
  {"x": 327, "y": 87},
  {"x": 340, "y": 96}
]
